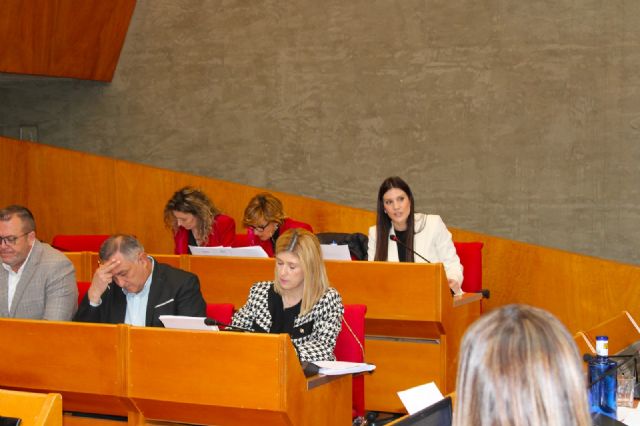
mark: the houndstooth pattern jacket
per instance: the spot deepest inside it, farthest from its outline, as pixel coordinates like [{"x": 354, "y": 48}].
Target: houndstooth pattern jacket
[{"x": 316, "y": 332}]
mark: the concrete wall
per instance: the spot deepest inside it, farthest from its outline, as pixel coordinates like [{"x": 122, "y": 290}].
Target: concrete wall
[{"x": 513, "y": 118}]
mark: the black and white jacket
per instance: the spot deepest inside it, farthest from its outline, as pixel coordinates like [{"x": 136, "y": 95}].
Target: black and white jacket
[{"x": 315, "y": 333}]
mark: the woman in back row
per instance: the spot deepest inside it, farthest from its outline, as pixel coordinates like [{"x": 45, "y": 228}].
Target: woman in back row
[
  {"x": 265, "y": 219},
  {"x": 195, "y": 221},
  {"x": 399, "y": 232}
]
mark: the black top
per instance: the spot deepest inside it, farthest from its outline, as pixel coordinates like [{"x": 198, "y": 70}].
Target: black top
[
  {"x": 192, "y": 241},
  {"x": 402, "y": 251},
  {"x": 282, "y": 317}
]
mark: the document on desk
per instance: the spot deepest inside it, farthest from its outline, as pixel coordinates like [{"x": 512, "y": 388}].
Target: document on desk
[
  {"x": 335, "y": 252},
  {"x": 252, "y": 251},
  {"x": 420, "y": 397},
  {"x": 186, "y": 323},
  {"x": 336, "y": 368}
]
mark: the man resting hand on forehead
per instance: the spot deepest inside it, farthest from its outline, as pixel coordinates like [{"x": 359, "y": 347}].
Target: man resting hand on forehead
[{"x": 130, "y": 287}]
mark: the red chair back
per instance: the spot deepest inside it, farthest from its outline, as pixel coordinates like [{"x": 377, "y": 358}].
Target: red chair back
[
  {"x": 470, "y": 255},
  {"x": 350, "y": 347},
  {"x": 78, "y": 242},
  {"x": 220, "y": 312},
  {"x": 83, "y": 286}
]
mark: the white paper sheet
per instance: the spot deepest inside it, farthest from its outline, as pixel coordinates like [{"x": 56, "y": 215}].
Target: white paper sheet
[
  {"x": 335, "y": 252},
  {"x": 252, "y": 251},
  {"x": 334, "y": 368},
  {"x": 186, "y": 323},
  {"x": 419, "y": 397}
]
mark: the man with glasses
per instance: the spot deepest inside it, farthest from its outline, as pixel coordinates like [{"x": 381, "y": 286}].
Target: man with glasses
[{"x": 36, "y": 280}]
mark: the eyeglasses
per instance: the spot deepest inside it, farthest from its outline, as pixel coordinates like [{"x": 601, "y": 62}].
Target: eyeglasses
[
  {"x": 11, "y": 239},
  {"x": 260, "y": 228}
]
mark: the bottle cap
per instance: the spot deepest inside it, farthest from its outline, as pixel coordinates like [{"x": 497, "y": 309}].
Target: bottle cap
[{"x": 602, "y": 345}]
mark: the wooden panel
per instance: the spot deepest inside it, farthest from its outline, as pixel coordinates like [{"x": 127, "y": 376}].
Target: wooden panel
[
  {"x": 622, "y": 331},
  {"x": 70, "y": 193},
  {"x": 420, "y": 363},
  {"x": 34, "y": 409},
  {"x": 226, "y": 378},
  {"x": 581, "y": 291},
  {"x": 228, "y": 280},
  {"x": 82, "y": 365},
  {"x": 385, "y": 286},
  {"x": 81, "y": 262},
  {"x": 200, "y": 377},
  {"x": 76, "y": 193},
  {"x": 63, "y": 38}
]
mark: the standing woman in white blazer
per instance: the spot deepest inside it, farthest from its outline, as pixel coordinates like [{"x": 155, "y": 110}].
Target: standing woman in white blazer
[{"x": 425, "y": 233}]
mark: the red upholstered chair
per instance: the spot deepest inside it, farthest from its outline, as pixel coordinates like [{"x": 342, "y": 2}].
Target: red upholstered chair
[
  {"x": 220, "y": 311},
  {"x": 350, "y": 347},
  {"x": 83, "y": 286},
  {"x": 78, "y": 242},
  {"x": 471, "y": 258}
]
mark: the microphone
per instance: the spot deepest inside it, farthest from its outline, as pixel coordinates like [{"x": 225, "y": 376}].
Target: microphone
[
  {"x": 212, "y": 321},
  {"x": 395, "y": 238}
]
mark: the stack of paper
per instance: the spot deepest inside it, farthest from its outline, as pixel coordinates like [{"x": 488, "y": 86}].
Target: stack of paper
[
  {"x": 334, "y": 368},
  {"x": 186, "y": 323}
]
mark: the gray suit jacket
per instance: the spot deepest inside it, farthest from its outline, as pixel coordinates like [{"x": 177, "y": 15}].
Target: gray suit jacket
[{"x": 47, "y": 288}]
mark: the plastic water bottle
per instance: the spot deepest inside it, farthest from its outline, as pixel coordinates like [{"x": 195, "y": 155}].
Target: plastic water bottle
[{"x": 602, "y": 392}]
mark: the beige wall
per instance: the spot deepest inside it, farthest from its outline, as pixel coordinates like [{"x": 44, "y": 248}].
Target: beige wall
[{"x": 517, "y": 119}]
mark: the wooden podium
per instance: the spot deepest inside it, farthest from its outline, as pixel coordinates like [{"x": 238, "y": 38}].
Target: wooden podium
[{"x": 172, "y": 375}]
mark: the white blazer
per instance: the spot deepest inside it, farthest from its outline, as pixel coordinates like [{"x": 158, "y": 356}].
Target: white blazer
[{"x": 432, "y": 240}]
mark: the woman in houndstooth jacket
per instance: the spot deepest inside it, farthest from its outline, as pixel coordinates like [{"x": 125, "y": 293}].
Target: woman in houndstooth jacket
[{"x": 299, "y": 301}]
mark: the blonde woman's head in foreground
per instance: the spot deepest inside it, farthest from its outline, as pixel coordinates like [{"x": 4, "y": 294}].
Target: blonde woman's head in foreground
[{"x": 520, "y": 366}]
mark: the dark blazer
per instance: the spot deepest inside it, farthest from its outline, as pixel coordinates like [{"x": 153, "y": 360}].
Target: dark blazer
[{"x": 167, "y": 283}]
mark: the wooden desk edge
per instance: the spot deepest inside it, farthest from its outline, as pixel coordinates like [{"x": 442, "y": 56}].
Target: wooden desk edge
[
  {"x": 466, "y": 298},
  {"x": 321, "y": 379}
]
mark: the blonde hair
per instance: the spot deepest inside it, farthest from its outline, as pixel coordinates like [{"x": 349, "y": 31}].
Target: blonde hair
[
  {"x": 306, "y": 247},
  {"x": 195, "y": 202},
  {"x": 519, "y": 366},
  {"x": 263, "y": 206}
]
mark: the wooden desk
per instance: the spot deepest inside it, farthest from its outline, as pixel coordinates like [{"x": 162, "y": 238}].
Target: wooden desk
[
  {"x": 414, "y": 325},
  {"x": 622, "y": 331},
  {"x": 169, "y": 375}
]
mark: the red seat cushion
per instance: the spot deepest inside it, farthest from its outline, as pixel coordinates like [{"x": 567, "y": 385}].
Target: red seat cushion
[
  {"x": 78, "y": 242},
  {"x": 220, "y": 311},
  {"x": 348, "y": 349},
  {"x": 83, "y": 287},
  {"x": 470, "y": 255}
]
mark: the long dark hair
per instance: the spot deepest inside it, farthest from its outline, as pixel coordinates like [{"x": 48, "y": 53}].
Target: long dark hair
[{"x": 383, "y": 222}]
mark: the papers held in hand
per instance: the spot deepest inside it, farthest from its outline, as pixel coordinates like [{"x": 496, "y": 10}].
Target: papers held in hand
[
  {"x": 186, "y": 323},
  {"x": 335, "y": 368},
  {"x": 252, "y": 251}
]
